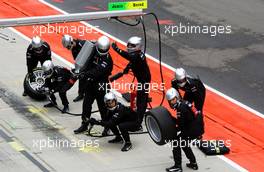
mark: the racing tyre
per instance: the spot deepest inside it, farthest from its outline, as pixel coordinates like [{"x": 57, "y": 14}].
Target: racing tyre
[
  {"x": 31, "y": 85},
  {"x": 161, "y": 125}
]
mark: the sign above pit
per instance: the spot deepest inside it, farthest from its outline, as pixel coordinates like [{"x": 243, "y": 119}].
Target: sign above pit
[{"x": 129, "y": 5}]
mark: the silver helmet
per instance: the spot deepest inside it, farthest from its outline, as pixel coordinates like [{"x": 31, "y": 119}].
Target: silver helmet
[
  {"x": 134, "y": 44},
  {"x": 47, "y": 67},
  {"x": 36, "y": 42},
  {"x": 172, "y": 93},
  {"x": 67, "y": 41},
  {"x": 103, "y": 45},
  {"x": 180, "y": 76},
  {"x": 109, "y": 97}
]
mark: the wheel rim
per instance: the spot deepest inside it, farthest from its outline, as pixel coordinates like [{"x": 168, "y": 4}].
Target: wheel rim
[
  {"x": 39, "y": 80},
  {"x": 153, "y": 128}
]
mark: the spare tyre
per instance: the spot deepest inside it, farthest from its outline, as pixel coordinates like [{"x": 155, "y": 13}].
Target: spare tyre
[
  {"x": 31, "y": 85},
  {"x": 161, "y": 125}
]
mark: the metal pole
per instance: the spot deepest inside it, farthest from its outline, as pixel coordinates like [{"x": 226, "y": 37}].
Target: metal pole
[{"x": 25, "y": 21}]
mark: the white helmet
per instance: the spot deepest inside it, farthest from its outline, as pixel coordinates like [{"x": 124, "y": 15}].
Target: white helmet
[
  {"x": 47, "y": 67},
  {"x": 67, "y": 41},
  {"x": 103, "y": 45},
  {"x": 36, "y": 42},
  {"x": 110, "y": 97},
  {"x": 180, "y": 76},
  {"x": 172, "y": 93},
  {"x": 134, "y": 44}
]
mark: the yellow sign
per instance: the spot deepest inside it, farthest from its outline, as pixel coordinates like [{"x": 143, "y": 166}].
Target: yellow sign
[
  {"x": 137, "y": 5},
  {"x": 130, "y": 5}
]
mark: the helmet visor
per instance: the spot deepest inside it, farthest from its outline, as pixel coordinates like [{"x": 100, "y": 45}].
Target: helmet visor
[
  {"x": 110, "y": 104},
  {"x": 102, "y": 51},
  {"x": 173, "y": 101},
  {"x": 69, "y": 46},
  {"x": 181, "y": 81},
  {"x": 129, "y": 45}
]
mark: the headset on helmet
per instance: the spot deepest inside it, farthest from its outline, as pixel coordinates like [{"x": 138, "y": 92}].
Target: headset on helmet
[
  {"x": 180, "y": 76},
  {"x": 47, "y": 67},
  {"x": 103, "y": 45},
  {"x": 134, "y": 44},
  {"x": 67, "y": 41}
]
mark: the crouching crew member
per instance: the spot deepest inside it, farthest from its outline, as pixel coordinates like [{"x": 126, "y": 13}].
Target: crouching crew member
[
  {"x": 58, "y": 79},
  {"x": 121, "y": 120},
  {"x": 190, "y": 126}
]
